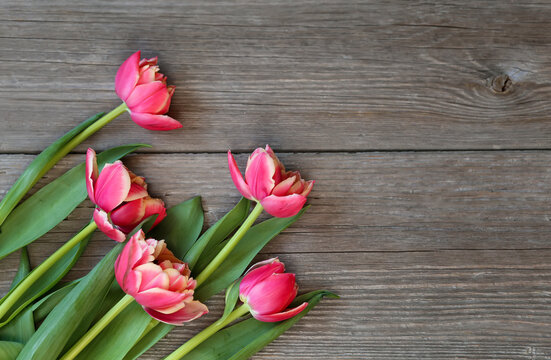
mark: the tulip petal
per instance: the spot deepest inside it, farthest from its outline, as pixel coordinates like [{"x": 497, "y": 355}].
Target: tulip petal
[
  {"x": 127, "y": 76},
  {"x": 307, "y": 188},
  {"x": 283, "y": 187},
  {"x": 280, "y": 316},
  {"x": 159, "y": 298},
  {"x": 272, "y": 294},
  {"x": 237, "y": 178},
  {"x": 102, "y": 221},
  {"x": 170, "y": 89},
  {"x": 191, "y": 311},
  {"x": 131, "y": 255},
  {"x": 155, "y": 103},
  {"x": 128, "y": 215},
  {"x": 155, "y": 122},
  {"x": 143, "y": 92},
  {"x": 136, "y": 192},
  {"x": 152, "y": 207},
  {"x": 257, "y": 275},
  {"x": 283, "y": 206},
  {"x": 112, "y": 186},
  {"x": 91, "y": 173},
  {"x": 259, "y": 174}
]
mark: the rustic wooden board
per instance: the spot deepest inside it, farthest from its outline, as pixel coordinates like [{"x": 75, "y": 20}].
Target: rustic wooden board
[
  {"x": 435, "y": 254},
  {"x": 301, "y": 75}
]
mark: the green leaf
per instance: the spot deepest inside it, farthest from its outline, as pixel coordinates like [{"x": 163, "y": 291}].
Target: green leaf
[
  {"x": 232, "y": 294},
  {"x": 202, "y": 249},
  {"x": 71, "y": 318},
  {"x": 245, "y": 251},
  {"x": 50, "y": 205},
  {"x": 22, "y": 327},
  {"x": 149, "y": 338},
  {"x": 244, "y": 339},
  {"x": 9, "y": 350},
  {"x": 23, "y": 269},
  {"x": 40, "y": 165},
  {"x": 119, "y": 336},
  {"x": 181, "y": 227},
  {"x": 44, "y": 306},
  {"x": 46, "y": 281}
]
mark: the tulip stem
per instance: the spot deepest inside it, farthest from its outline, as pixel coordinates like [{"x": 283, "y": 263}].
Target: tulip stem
[
  {"x": 92, "y": 129},
  {"x": 98, "y": 327},
  {"x": 22, "y": 185},
  {"x": 35, "y": 275},
  {"x": 206, "y": 333},
  {"x": 234, "y": 240}
]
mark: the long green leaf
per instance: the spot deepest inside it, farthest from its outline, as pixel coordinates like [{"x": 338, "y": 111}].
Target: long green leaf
[
  {"x": 119, "y": 336},
  {"x": 232, "y": 294},
  {"x": 46, "y": 281},
  {"x": 22, "y": 327},
  {"x": 73, "y": 315},
  {"x": 181, "y": 226},
  {"x": 216, "y": 234},
  {"x": 149, "y": 339},
  {"x": 46, "y": 304},
  {"x": 244, "y": 339},
  {"x": 9, "y": 350},
  {"x": 50, "y": 205},
  {"x": 245, "y": 251},
  {"x": 38, "y": 167}
]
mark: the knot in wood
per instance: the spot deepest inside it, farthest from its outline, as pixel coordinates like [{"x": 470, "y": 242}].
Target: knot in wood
[{"x": 501, "y": 83}]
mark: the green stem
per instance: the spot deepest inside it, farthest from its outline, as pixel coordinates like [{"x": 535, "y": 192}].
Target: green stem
[
  {"x": 206, "y": 333},
  {"x": 35, "y": 275},
  {"x": 98, "y": 327},
  {"x": 223, "y": 254},
  {"x": 92, "y": 129},
  {"x": 15, "y": 194}
]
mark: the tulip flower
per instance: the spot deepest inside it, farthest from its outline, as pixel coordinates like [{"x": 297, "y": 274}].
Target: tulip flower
[
  {"x": 121, "y": 197},
  {"x": 268, "y": 290},
  {"x": 281, "y": 193},
  {"x": 144, "y": 91},
  {"x": 158, "y": 281}
]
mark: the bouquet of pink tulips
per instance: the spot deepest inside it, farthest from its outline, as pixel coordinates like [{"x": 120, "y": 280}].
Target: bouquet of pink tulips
[{"x": 161, "y": 270}]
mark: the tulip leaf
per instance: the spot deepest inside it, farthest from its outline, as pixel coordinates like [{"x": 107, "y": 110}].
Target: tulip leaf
[
  {"x": 181, "y": 226},
  {"x": 39, "y": 166},
  {"x": 42, "y": 307},
  {"x": 22, "y": 327},
  {"x": 47, "y": 280},
  {"x": 50, "y": 205},
  {"x": 244, "y": 339},
  {"x": 9, "y": 350},
  {"x": 243, "y": 253},
  {"x": 215, "y": 235},
  {"x": 155, "y": 332},
  {"x": 232, "y": 294},
  {"x": 70, "y": 319},
  {"x": 119, "y": 336}
]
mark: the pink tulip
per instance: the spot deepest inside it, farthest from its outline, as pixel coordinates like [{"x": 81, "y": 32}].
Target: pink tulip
[
  {"x": 121, "y": 197},
  {"x": 158, "y": 281},
  {"x": 267, "y": 290},
  {"x": 281, "y": 193},
  {"x": 143, "y": 88}
]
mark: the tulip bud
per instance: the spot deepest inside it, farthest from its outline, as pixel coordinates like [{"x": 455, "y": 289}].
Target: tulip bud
[
  {"x": 158, "y": 281},
  {"x": 281, "y": 193},
  {"x": 121, "y": 197},
  {"x": 143, "y": 89},
  {"x": 267, "y": 291}
]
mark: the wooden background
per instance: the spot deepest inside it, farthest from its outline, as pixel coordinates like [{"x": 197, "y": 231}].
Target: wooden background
[{"x": 425, "y": 125}]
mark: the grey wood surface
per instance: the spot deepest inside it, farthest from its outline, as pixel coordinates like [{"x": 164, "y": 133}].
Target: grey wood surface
[{"x": 426, "y": 126}]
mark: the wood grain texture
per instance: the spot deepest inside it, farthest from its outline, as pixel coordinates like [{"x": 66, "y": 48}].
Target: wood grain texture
[
  {"x": 300, "y": 75},
  {"x": 435, "y": 255}
]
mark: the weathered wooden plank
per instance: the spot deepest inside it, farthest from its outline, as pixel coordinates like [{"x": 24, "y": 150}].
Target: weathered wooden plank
[
  {"x": 408, "y": 201},
  {"x": 303, "y": 76},
  {"x": 467, "y": 304}
]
